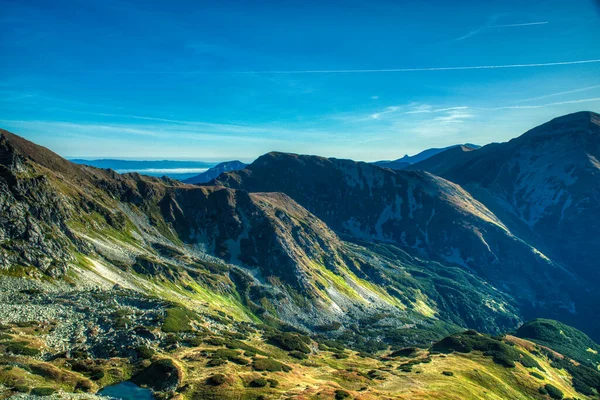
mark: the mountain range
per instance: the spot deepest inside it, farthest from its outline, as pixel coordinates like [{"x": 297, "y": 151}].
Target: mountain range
[
  {"x": 404, "y": 162},
  {"x": 347, "y": 273}
]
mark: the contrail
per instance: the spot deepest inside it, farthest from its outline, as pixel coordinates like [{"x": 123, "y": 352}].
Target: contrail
[
  {"x": 338, "y": 71},
  {"x": 525, "y": 24},
  {"x": 463, "y": 68},
  {"x": 560, "y": 103},
  {"x": 559, "y": 93}
]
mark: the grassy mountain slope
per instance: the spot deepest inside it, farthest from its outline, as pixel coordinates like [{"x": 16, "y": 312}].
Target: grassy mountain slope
[
  {"x": 214, "y": 292},
  {"x": 423, "y": 214},
  {"x": 261, "y": 256}
]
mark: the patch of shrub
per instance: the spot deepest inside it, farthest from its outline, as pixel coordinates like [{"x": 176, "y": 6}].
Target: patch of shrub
[
  {"x": 259, "y": 382},
  {"x": 561, "y": 338},
  {"x": 268, "y": 364},
  {"x": 583, "y": 388},
  {"x": 537, "y": 375},
  {"x": 405, "y": 352},
  {"x": 501, "y": 353},
  {"x": 230, "y": 355},
  {"x": 92, "y": 371},
  {"x": 84, "y": 386},
  {"x": 290, "y": 342},
  {"x": 448, "y": 373},
  {"x": 216, "y": 380},
  {"x": 43, "y": 391},
  {"x": 554, "y": 392},
  {"x": 214, "y": 341},
  {"x": 334, "y": 326},
  {"x": 529, "y": 362},
  {"x": 161, "y": 375},
  {"x": 21, "y": 348},
  {"x": 145, "y": 352},
  {"x": 298, "y": 354},
  {"x": 21, "y": 388},
  {"x": 585, "y": 379},
  {"x": 273, "y": 382},
  {"x": 342, "y": 394},
  {"x": 406, "y": 367},
  {"x": 374, "y": 374},
  {"x": 239, "y": 345},
  {"x": 216, "y": 362}
]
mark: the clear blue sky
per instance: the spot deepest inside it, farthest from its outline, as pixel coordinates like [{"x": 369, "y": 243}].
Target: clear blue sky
[{"x": 229, "y": 79}]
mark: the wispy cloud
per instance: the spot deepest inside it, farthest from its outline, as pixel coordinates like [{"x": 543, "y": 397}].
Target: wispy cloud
[
  {"x": 388, "y": 110},
  {"x": 454, "y": 116}
]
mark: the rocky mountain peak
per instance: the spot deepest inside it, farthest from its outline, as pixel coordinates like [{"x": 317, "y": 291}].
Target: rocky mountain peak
[{"x": 577, "y": 123}]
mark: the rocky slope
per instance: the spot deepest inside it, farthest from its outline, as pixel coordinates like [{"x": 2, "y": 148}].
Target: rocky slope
[
  {"x": 546, "y": 183},
  {"x": 423, "y": 214},
  {"x": 262, "y": 252},
  {"x": 545, "y": 186}
]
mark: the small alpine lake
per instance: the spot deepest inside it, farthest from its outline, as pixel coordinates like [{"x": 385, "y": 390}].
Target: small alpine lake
[{"x": 126, "y": 391}]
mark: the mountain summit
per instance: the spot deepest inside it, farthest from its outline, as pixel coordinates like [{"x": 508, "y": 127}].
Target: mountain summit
[{"x": 544, "y": 184}]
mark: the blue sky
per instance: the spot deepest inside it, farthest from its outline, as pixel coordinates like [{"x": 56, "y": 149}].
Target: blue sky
[{"x": 227, "y": 79}]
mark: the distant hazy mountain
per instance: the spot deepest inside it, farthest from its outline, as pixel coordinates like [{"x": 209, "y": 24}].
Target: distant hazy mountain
[
  {"x": 404, "y": 162},
  {"x": 173, "y": 169},
  {"x": 215, "y": 171}
]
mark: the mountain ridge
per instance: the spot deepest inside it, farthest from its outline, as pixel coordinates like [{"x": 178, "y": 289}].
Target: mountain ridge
[
  {"x": 352, "y": 276},
  {"x": 416, "y": 211},
  {"x": 404, "y": 162}
]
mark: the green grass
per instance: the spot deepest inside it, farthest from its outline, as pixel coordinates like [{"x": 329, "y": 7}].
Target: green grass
[
  {"x": 21, "y": 348},
  {"x": 179, "y": 319}
]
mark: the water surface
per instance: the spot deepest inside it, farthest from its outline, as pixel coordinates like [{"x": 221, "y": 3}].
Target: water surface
[{"x": 127, "y": 391}]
